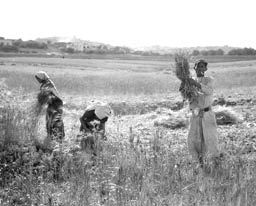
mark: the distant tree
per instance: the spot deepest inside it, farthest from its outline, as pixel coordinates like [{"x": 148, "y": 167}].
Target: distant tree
[
  {"x": 100, "y": 51},
  {"x": 250, "y": 51},
  {"x": 235, "y": 52},
  {"x": 244, "y": 51},
  {"x": 89, "y": 51},
  {"x": 18, "y": 42},
  {"x": 212, "y": 52},
  {"x": 118, "y": 50},
  {"x": 70, "y": 50},
  {"x": 168, "y": 55},
  {"x": 219, "y": 52},
  {"x": 147, "y": 53},
  {"x": 8, "y": 48},
  {"x": 33, "y": 45},
  {"x": 138, "y": 52},
  {"x": 195, "y": 52},
  {"x": 204, "y": 52}
]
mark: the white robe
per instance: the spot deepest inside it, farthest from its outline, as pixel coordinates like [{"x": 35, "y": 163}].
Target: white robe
[{"x": 202, "y": 136}]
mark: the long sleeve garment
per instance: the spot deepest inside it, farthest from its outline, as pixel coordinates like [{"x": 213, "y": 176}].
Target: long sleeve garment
[{"x": 202, "y": 136}]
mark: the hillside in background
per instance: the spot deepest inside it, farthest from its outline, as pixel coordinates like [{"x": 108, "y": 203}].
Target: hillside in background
[
  {"x": 74, "y": 39},
  {"x": 63, "y": 46},
  {"x": 153, "y": 49}
]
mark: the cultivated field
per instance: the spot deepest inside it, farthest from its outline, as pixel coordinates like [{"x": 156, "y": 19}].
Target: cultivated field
[{"x": 145, "y": 160}]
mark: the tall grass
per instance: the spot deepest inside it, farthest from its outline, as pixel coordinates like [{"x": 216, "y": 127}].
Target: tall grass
[
  {"x": 135, "y": 172},
  {"x": 98, "y": 83}
]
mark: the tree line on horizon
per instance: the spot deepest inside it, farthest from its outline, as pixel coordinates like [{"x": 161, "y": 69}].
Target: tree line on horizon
[
  {"x": 220, "y": 52},
  {"x": 66, "y": 47}
]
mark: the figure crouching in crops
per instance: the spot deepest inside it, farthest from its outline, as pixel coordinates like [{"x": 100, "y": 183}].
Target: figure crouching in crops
[
  {"x": 95, "y": 118},
  {"x": 93, "y": 125},
  {"x": 50, "y": 96},
  {"x": 202, "y": 136}
]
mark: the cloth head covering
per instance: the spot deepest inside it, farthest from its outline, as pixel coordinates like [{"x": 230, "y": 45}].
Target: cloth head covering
[
  {"x": 48, "y": 85},
  {"x": 102, "y": 110},
  {"x": 42, "y": 75},
  {"x": 201, "y": 61}
]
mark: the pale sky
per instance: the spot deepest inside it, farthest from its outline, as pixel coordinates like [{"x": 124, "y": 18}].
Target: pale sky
[{"x": 134, "y": 23}]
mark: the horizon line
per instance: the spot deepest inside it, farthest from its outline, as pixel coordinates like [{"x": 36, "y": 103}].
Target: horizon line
[{"x": 123, "y": 45}]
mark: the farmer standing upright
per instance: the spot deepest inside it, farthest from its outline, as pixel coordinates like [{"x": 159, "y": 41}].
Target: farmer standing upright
[
  {"x": 202, "y": 136},
  {"x": 50, "y": 96}
]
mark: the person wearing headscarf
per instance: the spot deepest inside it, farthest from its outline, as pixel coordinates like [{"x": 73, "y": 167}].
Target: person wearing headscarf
[
  {"x": 46, "y": 83},
  {"x": 95, "y": 117},
  {"x": 202, "y": 136},
  {"x": 50, "y": 96}
]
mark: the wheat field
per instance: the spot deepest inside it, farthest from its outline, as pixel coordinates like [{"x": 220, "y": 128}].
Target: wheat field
[{"x": 145, "y": 159}]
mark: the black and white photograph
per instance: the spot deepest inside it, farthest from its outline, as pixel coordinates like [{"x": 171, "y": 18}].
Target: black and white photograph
[{"x": 127, "y": 103}]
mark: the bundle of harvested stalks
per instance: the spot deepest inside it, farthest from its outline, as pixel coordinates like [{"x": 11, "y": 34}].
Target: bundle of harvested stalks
[
  {"x": 227, "y": 116},
  {"x": 43, "y": 96},
  {"x": 187, "y": 90},
  {"x": 42, "y": 99},
  {"x": 171, "y": 122}
]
